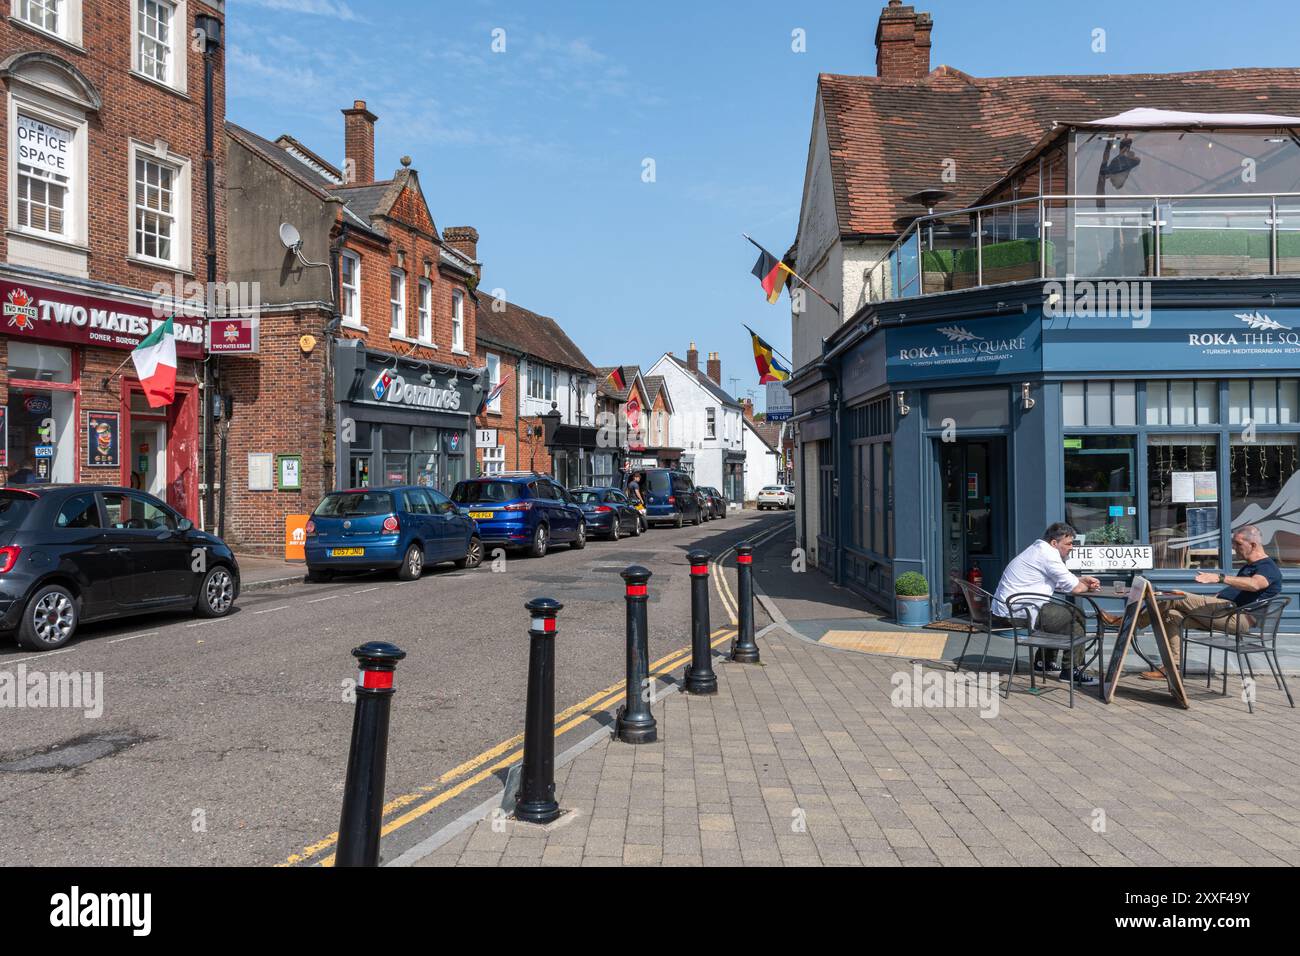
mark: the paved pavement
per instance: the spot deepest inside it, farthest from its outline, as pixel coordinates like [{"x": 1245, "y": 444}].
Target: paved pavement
[{"x": 817, "y": 757}]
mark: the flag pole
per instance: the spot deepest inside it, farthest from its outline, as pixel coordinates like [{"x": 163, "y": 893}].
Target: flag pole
[
  {"x": 769, "y": 345},
  {"x": 805, "y": 282},
  {"x": 109, "y": 378}
]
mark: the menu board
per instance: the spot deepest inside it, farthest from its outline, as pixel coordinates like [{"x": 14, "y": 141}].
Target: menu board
[
  {"x": 1140, "y": 597},
  {"x": 102, "y": 444}
]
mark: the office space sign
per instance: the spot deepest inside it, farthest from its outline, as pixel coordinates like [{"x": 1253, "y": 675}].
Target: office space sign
[
  {"x": 1111, "y": 557},
  {"x": 45, "y": 146}
]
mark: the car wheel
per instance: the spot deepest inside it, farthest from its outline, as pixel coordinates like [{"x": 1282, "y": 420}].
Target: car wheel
[
  {"x": 413, "y": 564},
  {"x": 319, "y": 575},
  {"x": 217, "y": 593},
  {"x": 580, "y": 542},
  {"x": 473, "y": 555},
  {"x": 540, "y": 542},
  {"x": 49, "y": 620},
  {"x": 615, "y": 529},
  {"x": 636, "y": 527}
]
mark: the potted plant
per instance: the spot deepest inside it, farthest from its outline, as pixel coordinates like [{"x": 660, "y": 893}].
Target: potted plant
[{"x": 912, "y": 598}]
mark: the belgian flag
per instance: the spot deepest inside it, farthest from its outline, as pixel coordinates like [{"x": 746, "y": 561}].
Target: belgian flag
[
  {"x": 771, "y": 272},
  {"x": 769, "y": 369}
]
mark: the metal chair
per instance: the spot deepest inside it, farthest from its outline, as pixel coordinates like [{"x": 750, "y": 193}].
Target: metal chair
[
  {"x": 1026, "y": 607},
  {"x": 980, "y": 604},
  {"x": 1255, "y": 633}
]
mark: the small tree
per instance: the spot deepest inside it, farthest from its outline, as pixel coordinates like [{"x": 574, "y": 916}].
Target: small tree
[{"x": 911, "y": 584}]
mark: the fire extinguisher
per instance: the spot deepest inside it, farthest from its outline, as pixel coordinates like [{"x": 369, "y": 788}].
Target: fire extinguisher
[{"x": 974, "y": 576}]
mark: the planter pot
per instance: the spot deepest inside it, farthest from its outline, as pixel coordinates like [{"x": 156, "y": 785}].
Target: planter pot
[{"x": 913, "y": 611}]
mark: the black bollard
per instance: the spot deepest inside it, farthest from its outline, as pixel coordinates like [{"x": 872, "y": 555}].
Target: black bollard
[
  {"x": 745, "y": 649},
  {"x": 634, "y": 723},
  {"x": 363, "y": 791},
  {"x": 535, "y": 801},
  {"x": 699, "y": 678}
]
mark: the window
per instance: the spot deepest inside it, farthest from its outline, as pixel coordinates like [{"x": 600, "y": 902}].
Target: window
[
  {"x": 418, "y": 502},
  {"x": 133, "y": 513},
  {"x": 1183, "y": 488},
  {"x": 1266, "y": 492},
  {"x": 494, "y": 460},
  {"x": 1099, "y": 404},
  {"x": 155, "y": 41},
  {"x": 458, "y": 321},
  {"x": 541, "y": 382},
  {"x": 1100, "y": 488},
  {"x": 397, "y": 302},
  {"x": 155, "y": 209},
  {"x": 46, "y": 14},
  {"x": 41, "y": 432},
  {"x": 45, "y": 161},
  {"x": 494, "y": 379},
  {"x": 79, "y": 512},
  {"x": 1262, "y": 401},
  {"x": 1181, "y": 402},
  {"x": 426, "y": 320},
  {"x": 40, "y": 363},
  {"x": 975, "y": 408},
  {"x": 710, "y": 423},
  {"x": 350, "y": 282}
]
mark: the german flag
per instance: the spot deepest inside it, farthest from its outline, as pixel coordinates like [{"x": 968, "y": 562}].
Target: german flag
[
  {"x": 771, "y": 272},
  {"x": 615, "y": 379},
  {"x": 769, "y": 369}
]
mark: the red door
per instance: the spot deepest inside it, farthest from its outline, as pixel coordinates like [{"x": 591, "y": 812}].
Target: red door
[{"x": 183, "y": 452}]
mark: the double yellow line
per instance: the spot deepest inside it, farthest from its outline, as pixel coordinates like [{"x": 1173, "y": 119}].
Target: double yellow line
[
  {"x": 472, "y": 771},
  {"x": 719, "y": 575}
]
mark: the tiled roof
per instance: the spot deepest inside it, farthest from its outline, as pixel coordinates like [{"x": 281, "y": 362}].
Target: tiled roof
[
  {"x": 709, "y": 385},
  {"x": 653, "y": 385},
  {"x": 889, "y": 138},
  {"x": 770, "y": 432},
  {"x": 533, "y": 335},
  {"x": 630, "y": 373}
]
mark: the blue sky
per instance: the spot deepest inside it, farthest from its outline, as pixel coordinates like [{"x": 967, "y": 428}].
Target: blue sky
[{"x": 542, "y": 147}]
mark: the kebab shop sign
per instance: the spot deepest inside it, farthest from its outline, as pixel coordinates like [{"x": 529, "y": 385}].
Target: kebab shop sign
[{"x": 37, "y": 312}]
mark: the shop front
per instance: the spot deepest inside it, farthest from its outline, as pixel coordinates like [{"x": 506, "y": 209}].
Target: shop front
[
  {"x": 733, "y": 477},
  {"x": 579, "y": 459},
  {"x": 402, "y": 421},
  {"x": 74, "y": 413},
  {"x": 961, "y": 440}
]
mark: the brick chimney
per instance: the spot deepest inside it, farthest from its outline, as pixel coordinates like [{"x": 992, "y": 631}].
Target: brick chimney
[
  {"x": 693, "y": 358},
  {"x": 903, "y": 42},
  {"x": 747, "y": 406},
  {"x": 359, "y": 144},
  {"x": 715, "y": 368},
  {"x": 464, "y": 239}
]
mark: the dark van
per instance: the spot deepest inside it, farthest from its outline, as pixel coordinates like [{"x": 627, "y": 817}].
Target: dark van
[{"x": 669, "y": 497}]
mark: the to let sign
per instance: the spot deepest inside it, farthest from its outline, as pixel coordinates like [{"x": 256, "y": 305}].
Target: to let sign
[{"x": 1111, "y": 557}]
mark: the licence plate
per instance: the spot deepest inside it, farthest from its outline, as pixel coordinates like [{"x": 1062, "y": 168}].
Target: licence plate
[
  {"x": 347, "y": 552},
  {"x": 476, "y": 515}
]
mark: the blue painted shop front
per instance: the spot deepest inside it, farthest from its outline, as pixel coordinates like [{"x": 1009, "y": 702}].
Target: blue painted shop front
[{"x": 959, "y": 440}]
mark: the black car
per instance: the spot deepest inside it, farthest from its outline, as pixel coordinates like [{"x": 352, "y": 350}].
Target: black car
[
  {"x": 706, "y": 506},
  {"x": 76, "y": 553},
  {"x": 608, "y": 512},
  {"x": 717, "y": 503},
  {"x": 669, "y": 496}
]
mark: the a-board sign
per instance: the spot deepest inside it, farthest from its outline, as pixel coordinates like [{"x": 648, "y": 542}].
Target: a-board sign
[
  {"x": 1141, "y": 597},
  {"x": 1111, "y": 557}
]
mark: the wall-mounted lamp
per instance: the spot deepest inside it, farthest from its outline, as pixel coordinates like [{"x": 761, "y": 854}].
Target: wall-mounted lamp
[
  {"x": 1025, "y": 401},
  {"x": 901, "y": 399}
]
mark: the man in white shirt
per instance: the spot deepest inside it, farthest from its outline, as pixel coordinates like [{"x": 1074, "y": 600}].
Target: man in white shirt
[{"x": 1040, "y": 569}]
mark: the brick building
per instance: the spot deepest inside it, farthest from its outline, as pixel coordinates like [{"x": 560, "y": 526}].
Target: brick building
[
  {"x": 107, "y": 226},
  {"x": 367, "y": 378}
]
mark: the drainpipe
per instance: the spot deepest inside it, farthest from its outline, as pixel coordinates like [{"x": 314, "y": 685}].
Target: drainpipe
[{"x": 209, "y": 28}]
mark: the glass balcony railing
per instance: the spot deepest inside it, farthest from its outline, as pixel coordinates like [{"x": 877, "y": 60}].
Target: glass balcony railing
[{"x": 1092, "y": 237}]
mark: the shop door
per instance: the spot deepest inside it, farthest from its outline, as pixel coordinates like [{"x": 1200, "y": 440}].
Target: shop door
[
  {"x": 974, "y": 511},
  {"x": 148, "y": 459}
]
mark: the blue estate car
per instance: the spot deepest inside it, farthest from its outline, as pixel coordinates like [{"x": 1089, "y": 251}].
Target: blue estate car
[
  {"x": 608, "y": 512},
  {"x": 522, "y": 509},
  {"x": 367, "y": 529}
]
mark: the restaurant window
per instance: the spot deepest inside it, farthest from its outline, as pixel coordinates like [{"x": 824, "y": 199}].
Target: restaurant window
[
  {"x": 1183, "y": 489},
  {"x": 976, "y": 408},
  {"x": 1182, "y": 402},
  {"x": 1263, "y": 401},
  {"x": 1266, "y": 492},
  {"x": 424, "y": 456},
  {"x": 359, "y": 456},
  {"x": 1099, "y": 404},
  {"x": 1101, "y": 488},
  {"x": 42, "y": 433},
  {"x": 350, "y": 300}
]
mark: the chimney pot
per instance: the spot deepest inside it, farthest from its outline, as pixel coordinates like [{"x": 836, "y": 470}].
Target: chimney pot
[
  {"x": 715, "y": 369},
  {"x": 903, "y": 42},
  {"x": 693, "y": 358}
]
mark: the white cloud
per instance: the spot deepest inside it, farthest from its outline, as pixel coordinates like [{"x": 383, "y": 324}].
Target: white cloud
[{"x": 334, "y": 9}]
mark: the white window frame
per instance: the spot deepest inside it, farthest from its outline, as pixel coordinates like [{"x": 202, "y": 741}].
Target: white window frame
[
  {"x": 48, "y": 110},
  {"x": 67, "y": 14},
  {"x": 537, "y": 373},
  {"x": 457, "y": 321},
  {"x": 494, "y": 460},
  {"x": 397, "y": 306},
  {"x": 424, "y": 312},
  {"x": 351, "y": 319},
  {"x": 179, "y": 37},
  {"x": 183, "y": 235},
  {"x": 711, "y": 423},
  {"x": 494, "y": 379}
]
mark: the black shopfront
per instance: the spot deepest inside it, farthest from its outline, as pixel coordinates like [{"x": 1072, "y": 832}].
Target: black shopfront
[{"x": 401, "y": 421}]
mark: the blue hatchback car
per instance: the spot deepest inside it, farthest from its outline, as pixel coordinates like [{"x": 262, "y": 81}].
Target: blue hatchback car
[
  {"x": 367, "y": 529},
  {"x": 522, "y": 509}
]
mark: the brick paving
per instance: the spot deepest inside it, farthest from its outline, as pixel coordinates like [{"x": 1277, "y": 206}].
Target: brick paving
[{"x": 804, "y": 761}]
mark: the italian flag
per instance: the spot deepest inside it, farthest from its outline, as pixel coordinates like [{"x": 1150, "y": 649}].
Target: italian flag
[{"x": 155, "y": 363}]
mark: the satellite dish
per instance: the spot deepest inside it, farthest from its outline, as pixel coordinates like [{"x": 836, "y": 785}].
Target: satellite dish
[{"x": 290, "y": 237}]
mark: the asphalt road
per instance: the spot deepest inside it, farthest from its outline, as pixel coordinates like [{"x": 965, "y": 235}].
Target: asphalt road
[{"x": 225, "y": 742}]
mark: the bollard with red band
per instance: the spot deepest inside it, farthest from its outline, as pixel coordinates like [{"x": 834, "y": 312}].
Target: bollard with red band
[
  {"x": 699, "y": 678},
  {"x": 363, "y": 789},
  {"x": 535, "y": 801},
  {"x": 635, "y": 724},
  {"x": 745, "y": 648}
]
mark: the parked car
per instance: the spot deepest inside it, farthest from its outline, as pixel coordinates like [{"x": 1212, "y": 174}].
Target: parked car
[
  {"x": 71, "y": 554},
  {"x": 402, "y": 527},
  {"x": 608, "y": 512},
  {"x": 669, "y": 497},
  {"x": 717, "y": 503},
  {"x": 775, "y": 496},
  {"x": 522, "y": 509}
]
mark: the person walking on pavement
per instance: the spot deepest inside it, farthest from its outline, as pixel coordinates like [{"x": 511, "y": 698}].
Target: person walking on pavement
[
  {"x": 1040, "y": 569},
  {"x": 634, "y": 489}
]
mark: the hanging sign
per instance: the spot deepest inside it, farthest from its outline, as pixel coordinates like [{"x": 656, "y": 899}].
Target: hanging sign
[{"x": 102, "y": 439}]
